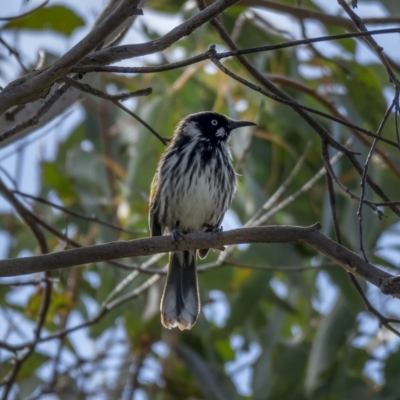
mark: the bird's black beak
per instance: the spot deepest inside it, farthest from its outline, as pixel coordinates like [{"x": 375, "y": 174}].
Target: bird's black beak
[{"x": 239, "y": 124}]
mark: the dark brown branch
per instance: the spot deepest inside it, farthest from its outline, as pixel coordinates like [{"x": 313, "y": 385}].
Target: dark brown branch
[{"x": 32, "y": 86}]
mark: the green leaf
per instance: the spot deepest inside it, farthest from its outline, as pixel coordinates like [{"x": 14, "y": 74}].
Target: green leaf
[
  {"x": 330, "y": 338},
  {"x": 263, "y": 369},
  {"x": 59, "y": 19},
  {"x": 252, "y": 291},
  {"x": 364, "y": 93},
  {"x": 29, "y": 367},
  {"x": 213, "y": 385}
]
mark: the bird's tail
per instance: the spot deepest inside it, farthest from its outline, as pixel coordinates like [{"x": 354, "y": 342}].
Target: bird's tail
[{"x": 180, "y": 303}]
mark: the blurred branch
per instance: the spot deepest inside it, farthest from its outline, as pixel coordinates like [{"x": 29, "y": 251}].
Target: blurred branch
[
  {"x": 306, "y": 13},
  {"x": 26, "y": 13},
  {"x": 333, "y": 109},
  {"x": 75, "y": 214},
  {"x": 104, "y": 309},
  {"x": 278, "y": 268},
  {"x": 329, "y": 169},
  {"x": 114, "y": 99},
  {"x": 34, "y": 282}
]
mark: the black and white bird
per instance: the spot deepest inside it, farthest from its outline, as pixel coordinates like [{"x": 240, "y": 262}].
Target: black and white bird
[{"x": 191, "y": 190}]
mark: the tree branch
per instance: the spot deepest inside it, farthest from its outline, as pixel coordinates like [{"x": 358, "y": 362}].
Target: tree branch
[
  {"x": 31, "y": 87},
  {"x": 307, "y": 13},
  {"x": 311, "y": 236}
]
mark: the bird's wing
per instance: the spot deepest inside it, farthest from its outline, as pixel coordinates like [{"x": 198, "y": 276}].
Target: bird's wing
[{"x": 154, "y": 220}]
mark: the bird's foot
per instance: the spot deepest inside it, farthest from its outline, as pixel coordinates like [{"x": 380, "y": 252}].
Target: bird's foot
[
  {"x": 177, "y": 236},
  {"x": 213, "y": 228}
]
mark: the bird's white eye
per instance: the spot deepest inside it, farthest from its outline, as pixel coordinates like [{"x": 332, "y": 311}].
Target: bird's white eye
[{"x": 214, "y": 122}]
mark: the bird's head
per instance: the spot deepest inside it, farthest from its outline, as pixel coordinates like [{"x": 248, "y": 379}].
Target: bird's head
[{"x": 210, "y": 125}]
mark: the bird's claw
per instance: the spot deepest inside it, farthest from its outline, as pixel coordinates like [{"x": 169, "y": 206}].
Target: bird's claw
[
  {"x": 177, "y": 236},
  {"x": 213, "y": 228}
]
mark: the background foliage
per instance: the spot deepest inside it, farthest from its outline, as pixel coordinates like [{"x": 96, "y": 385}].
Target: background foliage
[{"x": 278, "y": 321}]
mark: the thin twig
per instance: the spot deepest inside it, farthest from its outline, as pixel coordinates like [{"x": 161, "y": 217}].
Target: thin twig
[
  {"x": 345, "y": 189},
  {"x": 129, "y": 51},
  {"x": 274, "y": 198},
  {"x": 15, "y": 53},
  {"x": 114, "y": 99},
  {"x": 84, "y": 87},
  {"x": 9, "y": 380},
  {"x": 331, "y": 193},
  {"x": 34, "y": 282},
  {"x": 384, "y": 321},
  {"x": 371, "y": 41},
  {"x": 34, "y": 120},
  {"x": 26, "y": 13},
  {"x": 365, "y": 173},
  {"x": 359, "y": 132},
  {"x": 75, "y": 214},
  {"x": 278, "y": 268}
]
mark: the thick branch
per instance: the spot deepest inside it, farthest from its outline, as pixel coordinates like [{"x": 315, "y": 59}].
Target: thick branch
[
  {"x": 311, "y": 236},
  {"x": 118, "y": 53},
  {"x": 19, "y": 114},
  {"x": 33, "y": 86}
]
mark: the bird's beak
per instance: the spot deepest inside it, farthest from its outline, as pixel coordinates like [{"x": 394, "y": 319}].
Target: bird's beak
[{"x": 239, "y": 124}]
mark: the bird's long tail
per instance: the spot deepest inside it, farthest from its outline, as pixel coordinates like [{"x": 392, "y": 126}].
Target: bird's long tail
[{"x": 180, "y": 303}]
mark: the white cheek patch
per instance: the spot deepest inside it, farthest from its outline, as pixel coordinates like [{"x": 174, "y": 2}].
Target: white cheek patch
[
  {"x": 192, "y": 130},
  {"x": 220, "y": 132}
]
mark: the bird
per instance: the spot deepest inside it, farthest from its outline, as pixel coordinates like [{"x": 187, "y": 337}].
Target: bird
[{"x": 192, "y": 188}]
